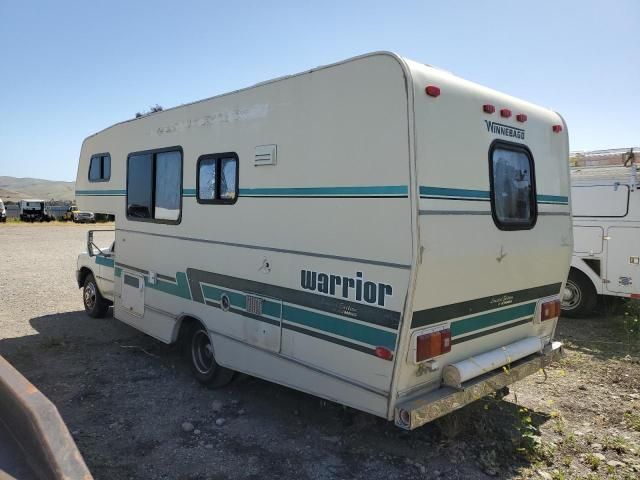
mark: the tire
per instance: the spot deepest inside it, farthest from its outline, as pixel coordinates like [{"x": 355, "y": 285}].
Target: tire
[
  {"x": 199, "y": 353},
  {"x": 579, "y": 297},
  {"x": 94, "y": 303}
]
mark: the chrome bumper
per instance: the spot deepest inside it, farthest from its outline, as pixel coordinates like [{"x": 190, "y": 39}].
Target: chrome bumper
[{"x": 417, "y": 411}]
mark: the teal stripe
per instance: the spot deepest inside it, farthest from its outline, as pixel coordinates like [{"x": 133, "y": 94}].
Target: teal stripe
[
  {"x": 179, "y": 289},
  {"x": 101, "y": 192},
  {"x": 441, "y": 192},
  {"x": 553, "y": 199},
  {"x": 237, "y": 300},
  {"x": 341, "y": 327},
  {"x": 327, "y": 191},
  {"x": 106, "y": 261},
  {"x": 273, "y": 309},
  {"x": 485, "y": 320},
  {"x": 454, "y": 192}
]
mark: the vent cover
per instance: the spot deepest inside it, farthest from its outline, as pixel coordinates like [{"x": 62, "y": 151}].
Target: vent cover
[
  {"x": 254, "y": 305},
  {"x": 265, "y": 155}
]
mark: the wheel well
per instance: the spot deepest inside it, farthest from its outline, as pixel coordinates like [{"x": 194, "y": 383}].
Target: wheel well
[
  {"x": 84, "y": 272},
  {"x": 185, "y": 324},
  {"x": 579, "y": 273}
]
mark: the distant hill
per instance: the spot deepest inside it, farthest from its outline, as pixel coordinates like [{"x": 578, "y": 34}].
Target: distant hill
[{"x": 14, "y": 189}]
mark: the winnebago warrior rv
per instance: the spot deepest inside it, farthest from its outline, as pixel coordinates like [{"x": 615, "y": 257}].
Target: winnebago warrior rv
[{"x": 377, "y": 232}]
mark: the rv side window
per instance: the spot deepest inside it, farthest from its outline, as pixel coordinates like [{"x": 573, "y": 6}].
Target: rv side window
[
  {"x": 154, "y": 186},
  {"x": 100, "y": 168},
  {"x": 217, "y": 180},
  {"x": 513, "y": 199}
]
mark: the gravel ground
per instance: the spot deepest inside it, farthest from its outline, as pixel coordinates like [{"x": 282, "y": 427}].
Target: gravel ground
[{"x": 135, "y": 411}]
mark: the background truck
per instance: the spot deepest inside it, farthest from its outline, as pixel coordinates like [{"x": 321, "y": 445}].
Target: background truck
[
  {"x": 606, "y": 229},
  {"x": 33, "y": 210}
]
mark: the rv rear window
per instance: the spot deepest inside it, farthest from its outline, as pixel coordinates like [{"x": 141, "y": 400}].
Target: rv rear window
[
  {"x": 217, "y": 180},
  {"x": 154, "y": 186},
  {"x": 100, "y": 168},
  {"x": 513, "y": 199}
]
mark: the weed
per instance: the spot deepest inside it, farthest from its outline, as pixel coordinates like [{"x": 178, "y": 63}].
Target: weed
[
  {"x": 592, "y": 461},
  {"x": 631, "y": 322},
  {"x": 616, "y": 444},
  {"x": 633, "y": 420}
]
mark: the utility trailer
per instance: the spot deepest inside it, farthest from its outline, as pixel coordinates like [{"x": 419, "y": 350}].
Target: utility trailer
[
  {"x": 33, "y": 210},
  {"x": 376, "y": 232},
  {"x": 606, "y": 229}
]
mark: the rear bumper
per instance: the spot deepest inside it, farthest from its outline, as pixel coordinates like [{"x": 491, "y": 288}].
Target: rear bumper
[{"x": 437, "y": 403}]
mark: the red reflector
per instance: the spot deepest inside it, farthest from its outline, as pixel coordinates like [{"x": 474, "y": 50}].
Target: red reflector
[
  {"x": 521, "y": 117},
  {"x": 635, "y": 295},
  {"x": 505, "y": 112},
  {"x": 550, "y": 310},
  {"x": 557, "y": 128},
  {"x": 487, "y": 108},
  {"x": 432, "y": 91},
  {"x": 384, "y": 353},
  {"x": 433, "y": 344}
]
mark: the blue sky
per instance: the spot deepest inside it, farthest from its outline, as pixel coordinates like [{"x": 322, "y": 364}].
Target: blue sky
[{"x": 68, "y": 69}]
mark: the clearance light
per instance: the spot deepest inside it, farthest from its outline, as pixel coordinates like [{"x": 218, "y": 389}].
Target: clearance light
[
  {"x": 432, "y": 91},
  {"x": 521, "y": 117},
  {"x": 384, "y": 353},
  {"x": 550, "y": 310},
  {"x": 505, "y": 112},
  {"x": 432, "y": 344},
  {"x": 488, "y": 108},
  {"x": 557, "y": 128}
]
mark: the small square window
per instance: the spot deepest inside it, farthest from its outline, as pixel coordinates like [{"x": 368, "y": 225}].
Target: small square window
[
  {"x": 100, "y": 168},
  {"x": 513, "y": 197},
  {"x": 217, "y": 180}
]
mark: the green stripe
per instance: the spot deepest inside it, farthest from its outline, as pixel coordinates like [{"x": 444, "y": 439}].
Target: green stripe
[
  {"x": 462, "y": 193},
  {"x": 179, "y": 289},
  {"x": 327, "y": 191},
  {"x": 341, "y": 327},
  {"x": 105, "y": 261},
  {"x": 237, "y": 300},
  {"x": 485, "y": 320},
  {"x": 105, "y": 193},
  {"x": 454, "y": 192},
  {"x": 553, "y": 199}
]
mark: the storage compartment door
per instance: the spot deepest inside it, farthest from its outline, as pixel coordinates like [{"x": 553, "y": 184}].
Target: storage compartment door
[
  {"x": 623, "y": 260},
  {"x": 133, "y": 294},
  {"x": 587, "y": 239}
]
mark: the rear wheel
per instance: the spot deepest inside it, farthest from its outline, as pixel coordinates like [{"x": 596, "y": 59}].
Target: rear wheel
[
  {"x": 202, "y": 359},
  {"x": 579, "y": 297},
  {"x": 94, "y": 303}
]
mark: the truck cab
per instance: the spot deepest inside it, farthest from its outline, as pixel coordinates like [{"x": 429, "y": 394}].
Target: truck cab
[{"x": 95, "y": 276}]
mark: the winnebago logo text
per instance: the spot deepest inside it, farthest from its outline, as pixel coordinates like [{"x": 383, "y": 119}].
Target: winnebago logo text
[
  {"x": 346, "y": 287},
  {"x": 506, "y": 130}
]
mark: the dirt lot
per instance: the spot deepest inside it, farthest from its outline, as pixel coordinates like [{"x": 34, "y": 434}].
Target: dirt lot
[{"x": 126, "y": 396}]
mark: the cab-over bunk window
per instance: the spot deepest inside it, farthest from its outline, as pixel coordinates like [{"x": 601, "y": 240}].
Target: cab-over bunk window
[
  {"x": 154, "y": 185},
  {"x": 513, "y": 190}
]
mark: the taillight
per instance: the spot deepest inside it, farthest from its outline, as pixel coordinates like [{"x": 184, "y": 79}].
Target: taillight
[
  {"x": 433, "y": 344},
  {"x": 432, "y": 91},
  {"x": 550, "y": 310}
]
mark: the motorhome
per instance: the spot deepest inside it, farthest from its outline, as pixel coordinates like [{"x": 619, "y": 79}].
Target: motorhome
[
  {"x": 33, "y": 210},
  {"x": 377, "y": 232},
  {"x": 606, "y": 227}
]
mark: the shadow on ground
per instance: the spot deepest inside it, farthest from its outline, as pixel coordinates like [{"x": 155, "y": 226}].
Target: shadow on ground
[{"x": 125, "y": 397}]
